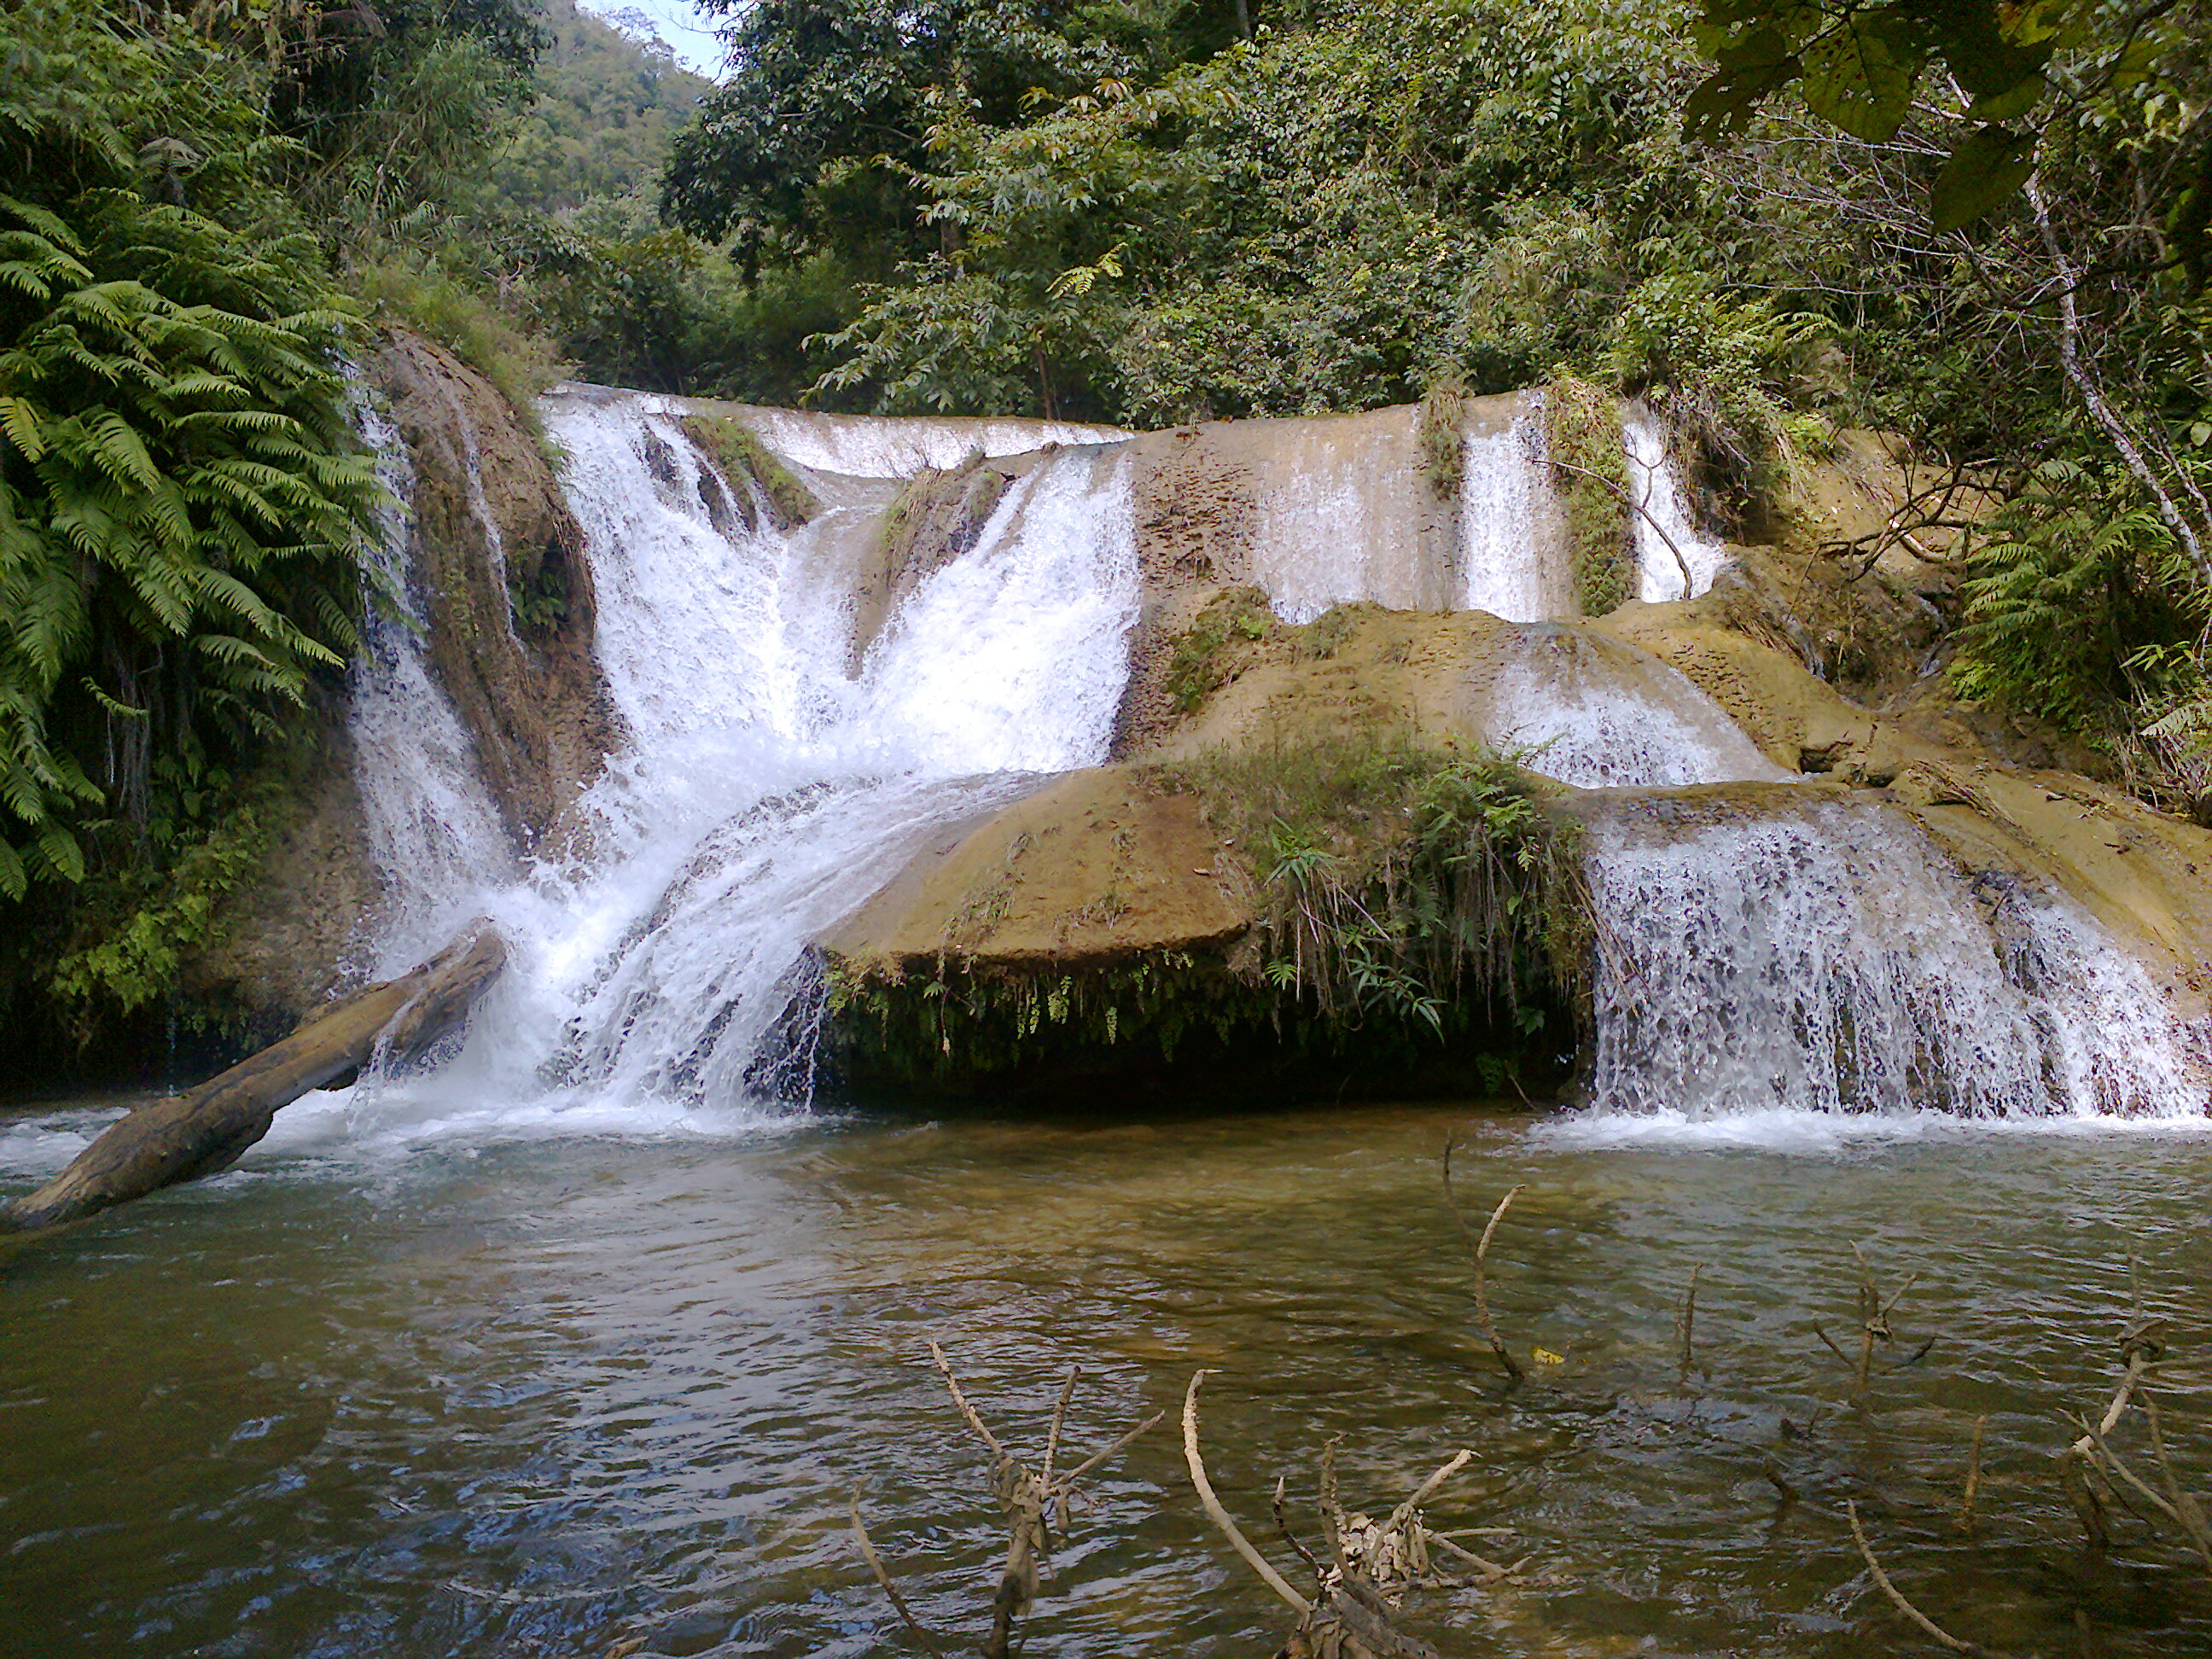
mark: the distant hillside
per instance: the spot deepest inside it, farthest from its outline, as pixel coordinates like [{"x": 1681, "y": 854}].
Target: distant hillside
[{"x": 613, "y": 97}]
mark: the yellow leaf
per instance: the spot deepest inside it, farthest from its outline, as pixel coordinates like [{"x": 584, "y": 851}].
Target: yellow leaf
[{"x": 1545, "y": 1357}]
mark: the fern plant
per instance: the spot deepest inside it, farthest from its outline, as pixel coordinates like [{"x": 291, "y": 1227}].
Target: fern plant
[
  {"x": 2073, "y": 586},
  {"x": 182, "y": 503}
]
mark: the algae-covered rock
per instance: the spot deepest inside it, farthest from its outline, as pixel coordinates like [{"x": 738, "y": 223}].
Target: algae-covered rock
[{"x": 511, "y": 607}]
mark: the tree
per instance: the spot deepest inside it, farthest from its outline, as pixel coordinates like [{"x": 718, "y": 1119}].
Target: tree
[{"x": 2013, "y": 69}]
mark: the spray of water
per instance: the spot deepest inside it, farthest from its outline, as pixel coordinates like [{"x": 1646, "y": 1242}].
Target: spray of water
[
  {"x": 1600, "y": 714},
  {"x": 762, "y": 792},
  {"x": 1766, "y": 953},
  {"x": 1669, "y": 545}
]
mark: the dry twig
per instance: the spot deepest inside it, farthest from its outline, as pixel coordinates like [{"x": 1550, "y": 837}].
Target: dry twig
[
  {"x": 1934, "y": 1632},
  {"x": 1481, "y": 1252},
  {"x": 1031, "y": 1502}
]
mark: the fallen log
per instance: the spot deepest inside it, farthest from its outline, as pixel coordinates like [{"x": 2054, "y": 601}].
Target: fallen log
[{"x": 204, "y": 1131}]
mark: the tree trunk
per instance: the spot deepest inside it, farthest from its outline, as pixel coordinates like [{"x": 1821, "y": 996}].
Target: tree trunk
[{"x": 204, "y": 1131}]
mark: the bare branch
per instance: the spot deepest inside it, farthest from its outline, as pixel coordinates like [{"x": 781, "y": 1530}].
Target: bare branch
[
  {"x": 1973, "y": 1475},
  {"x": 1059, "y": 1417},
  {"x": 876, "y": 1566},
  {"x": 966, "y": 1410},
  {"x": 1283, "y": 1526},
  {"x": 1934, "y": 1630},
  {"x": 1220, "y": 1516},
  {"x": 1688, "y": 1321}
]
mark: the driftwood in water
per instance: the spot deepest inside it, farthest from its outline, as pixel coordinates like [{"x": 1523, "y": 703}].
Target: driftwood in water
[
  {"x": 205, "y": 1130},
  {"x": 1035, "y": 1503}
]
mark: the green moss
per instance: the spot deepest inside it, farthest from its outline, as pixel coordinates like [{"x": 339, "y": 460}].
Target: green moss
[
  {"x": 1204, "y": 656},
  {"x": 741, "y": 455},
  {"x": 1443, "y": 413},
  {"x": 1589, "y": 469},
  {"x": 963, "y": 1021},
  {"x": 939, "y": 515}
]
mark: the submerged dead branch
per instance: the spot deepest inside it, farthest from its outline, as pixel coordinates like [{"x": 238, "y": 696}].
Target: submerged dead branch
[
  {"x": 1934, "y": 1632},
  {"x": 1034, "y": 1502},
  {"x": 1687, "y": 1322},
  {"x": 1372, "y": 1565},
  {"x": 1481, "y": 1254}
]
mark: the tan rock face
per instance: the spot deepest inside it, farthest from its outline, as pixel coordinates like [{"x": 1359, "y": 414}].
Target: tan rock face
[
  {"x": 1096, "y": 866},
  {"x": 511, "y": 603}
]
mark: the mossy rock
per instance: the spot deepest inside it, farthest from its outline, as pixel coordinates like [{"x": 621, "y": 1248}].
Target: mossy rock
[{"x": 741, "y": 456}]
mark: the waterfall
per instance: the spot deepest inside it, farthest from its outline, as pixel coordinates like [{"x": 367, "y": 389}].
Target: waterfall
[
  {"x": 1514, "y": 558},
  {"x": 1765, "y": 952},
  {"x": 433, "y": 834},
  {"x": 900, "y": 446},
  {"x": 1668, "y": 545},
  {"x": 1599, "y": 714},
  {"x": 1338, "y": 504},
  {"x": 1766, "y": 947},
  {"x": 763, "y": 791}
]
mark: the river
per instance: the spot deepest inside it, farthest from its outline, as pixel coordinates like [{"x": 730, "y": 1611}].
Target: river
[{"x": 492, "y": 1396}]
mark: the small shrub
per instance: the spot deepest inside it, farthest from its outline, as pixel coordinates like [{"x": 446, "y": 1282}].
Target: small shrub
[
  {"x": 1589, "y": 469},
  {"x": 420, "y": 296}
]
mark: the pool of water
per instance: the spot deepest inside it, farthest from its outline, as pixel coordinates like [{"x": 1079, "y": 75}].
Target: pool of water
[{"x": 547, "y": 1397}]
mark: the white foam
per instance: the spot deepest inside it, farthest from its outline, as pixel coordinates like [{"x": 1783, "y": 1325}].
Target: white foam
[
  {"x": 1668, "y": 540},
  {"x": 1514, "y": 559},
  {"x": 1821, "y": 957},
  {"x": 1600, "y": 714},
  {"x": 763, "y": 792}
]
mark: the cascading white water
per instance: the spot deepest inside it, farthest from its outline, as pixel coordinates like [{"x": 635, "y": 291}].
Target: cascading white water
[
  {"x": 433, "y": 832},
  {"x": 1674, "y": 560},
  {"x": 1600, "y": 714},
  {"x": 1773, "y": 954},
  {"x": 1513, "y": 549},
  {"x": 762, "y": 794},
  {"x": 900, "y": 446},
  {"x": 1765, "y": 953}
]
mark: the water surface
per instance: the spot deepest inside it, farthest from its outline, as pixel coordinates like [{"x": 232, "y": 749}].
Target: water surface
[{"x": 544, "y": 1397}]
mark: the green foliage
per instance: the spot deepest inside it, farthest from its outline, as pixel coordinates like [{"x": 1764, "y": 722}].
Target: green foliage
[
  {"x": 2080, "y": 607},
  {"x": 1443, "y": 448},
  {"x": 417, "y": 293},
  {"x": 1582, "y": 435},
  {"x": 395, "y": 111},
  {"x": 607, "y": 110},
  {"x": 743, "y": 457},
  {"x": 1723, "y": 370},
  {"x": 181, "y": 500},
  {"x": 1401, "y": 882},
  {"x": 1859, "y": 64},
  {"x": 959, "y": 1021},
  {"x": 140, "y": 924}
]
